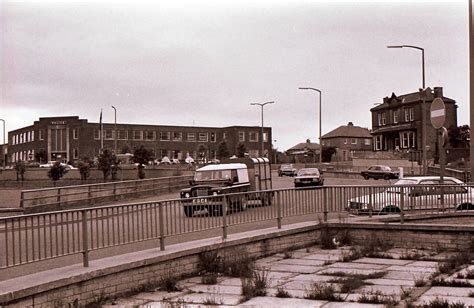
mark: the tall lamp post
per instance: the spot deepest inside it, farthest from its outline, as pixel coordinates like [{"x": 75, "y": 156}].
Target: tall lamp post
[
  {"x": 320, "y": 124},
  {"x": 262, "y": 105},
  {"x": 4, "y": 146},
  {"x": 423, "y": 115},
  {"x": 115, "y": 130}
]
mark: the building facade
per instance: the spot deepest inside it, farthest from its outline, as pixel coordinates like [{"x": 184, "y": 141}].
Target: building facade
[
  {"x": 304, "y": 152},
  {"x": 347, "y": 139},
  {"x": 69, "y": 138},
  {"x": 397, "y": 123}
]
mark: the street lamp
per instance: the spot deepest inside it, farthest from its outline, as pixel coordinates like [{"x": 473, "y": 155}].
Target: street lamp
[
  {"x": 115, "y": 128},
  {"x": 262, "y": 105},
  {"x": 4, "y": 146},
  {"x": 320, "y": 129},
  {"x": 423, "y": 116}
]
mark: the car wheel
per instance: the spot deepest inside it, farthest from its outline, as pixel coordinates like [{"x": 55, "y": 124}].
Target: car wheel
[
  {"x": 389, "y": 209},
  {"x": 189, "y": 211},
  {"x": 366, "y": 177},
  {"x": 465, "y": 207},
  {"x": 386, "y": 177}
]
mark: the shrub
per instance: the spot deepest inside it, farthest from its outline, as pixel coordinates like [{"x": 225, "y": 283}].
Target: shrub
[
  {"x": 256, "y": 285},
  {"x": 238, "y": 265},
  {"x": 168, "y": 281},
  {"x": 323, "y": 291},
  {"x": 377, "y": 297},
  {"x": 282, "y": 293}
]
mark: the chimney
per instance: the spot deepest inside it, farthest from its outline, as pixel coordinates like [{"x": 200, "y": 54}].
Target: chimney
[
  {"x": 438, "y": 92},
  {"x": 385, "y": 99},
  {"x": 350, "y": 124}
]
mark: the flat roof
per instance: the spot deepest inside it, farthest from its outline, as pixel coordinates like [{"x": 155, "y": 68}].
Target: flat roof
[{"x": 223, "y": 167}]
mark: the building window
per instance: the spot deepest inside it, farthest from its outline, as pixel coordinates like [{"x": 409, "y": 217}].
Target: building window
[
  {"x": 366, "y": 141},
  {"x": 75, "y": 133},
  {"x": 253, "y": 137},
  {"x": 378, "y": 143},
  {"x": 265, "y": 137},
  {"x": 395, "y": 116},
  {"x": 177, "y": 136},
  {"x": 150, "y": 135},
  {"x": 137, "y": 135},
  {"x": 191, "y": 137},
  {"x": 32, "y": 135},
  {"x": 203, "y": 137},
  {"x": 164, "y": 136},
  {"x": 412, "y": 140},
  {"x": 353, "y": 140},
  {"x": 108, "y": 134},
  {"x": 213, "y": 137},
  {"x": 224, "y": 135},
  {"x": 412, "y": 115},
  {"x": 345, "y": 141},
  {"x": 96, "y": 133},
  {"x": 164, "y": 153},
  {"x": 384, "y": 120},
  {"x": 75, "y": 153},
  {"x": 122, "y": 134},
  {"x": 241, "y": 136}
]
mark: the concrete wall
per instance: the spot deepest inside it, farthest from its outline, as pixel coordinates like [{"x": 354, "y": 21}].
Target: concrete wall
[{"x": 116, "y": 280}]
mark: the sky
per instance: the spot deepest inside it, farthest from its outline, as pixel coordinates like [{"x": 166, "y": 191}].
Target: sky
[{"x": 202, "y": 63}]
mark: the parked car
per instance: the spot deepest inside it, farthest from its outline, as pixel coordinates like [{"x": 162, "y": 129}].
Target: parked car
[
  {"x": 286, "y": 169},
  {"x": 308, "y": 177},
  {"x": 418, "y": 194},
  {"x": 379, "y": 172},
  {"x": 189, "y": 160},
  {"x": 165, "y": 161},
  {"x": 175, "y": 161},
  {"x": 51, "y": 163}
]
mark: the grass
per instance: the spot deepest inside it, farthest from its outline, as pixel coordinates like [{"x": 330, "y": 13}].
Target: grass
[
  {"x": 282, "y": 293},
  {"x": 238, "y": 265},
  {"x": 323, "y": 291},
  {"x": 411, "y": 255},
  {"x": 209, "y": 278},
  {"x": 256, "y": 285},
  {"x": 441, "y": 282},
  {"x": 168, "y": 281},
  {"x": 377, "y": 297},
  {"x": 469, "y": 274},
  {"x": 420, "y": 281},
  {"x": 213, "y": 300},
  {"x": 454, "y": 262},
  {"x": 442, "y": 303}
]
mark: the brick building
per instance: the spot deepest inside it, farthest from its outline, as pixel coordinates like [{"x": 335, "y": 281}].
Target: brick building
[
  {"x": 69, "y": 138},
  {"x": 397, "y": 122},
  {"x": 346, "y": 139}
]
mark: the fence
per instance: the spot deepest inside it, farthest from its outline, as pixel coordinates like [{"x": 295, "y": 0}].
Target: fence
[
  {"x": 35, "y": 237},
  {"x": 48, "y": 199}
]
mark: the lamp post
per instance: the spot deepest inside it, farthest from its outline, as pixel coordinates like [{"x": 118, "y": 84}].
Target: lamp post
[
  {"x": 115, "y": 130},
  {"x": 320, "y": 119},
  {"x": 4, "y": 146},
  {"x": 262, "y": 105},
  {"x": 423, "y": 116}
]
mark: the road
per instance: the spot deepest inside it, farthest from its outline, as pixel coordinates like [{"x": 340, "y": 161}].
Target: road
[{"x": 131, "y": 224}]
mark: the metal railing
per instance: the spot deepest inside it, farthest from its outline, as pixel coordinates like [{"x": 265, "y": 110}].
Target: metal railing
[
  {"x": 36, "y": 237},
  {"x": 60, "y": 197}
]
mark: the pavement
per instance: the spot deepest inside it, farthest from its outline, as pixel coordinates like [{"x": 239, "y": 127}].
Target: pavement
[{"x": 392, "y": 280}]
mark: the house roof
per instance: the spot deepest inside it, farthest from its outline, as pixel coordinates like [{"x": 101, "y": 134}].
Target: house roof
[
  {"x": 348, "y": 130},
  {"x": 303, "y": 146}
]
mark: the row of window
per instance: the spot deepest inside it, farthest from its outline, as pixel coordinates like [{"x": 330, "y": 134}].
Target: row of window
[
  {"x": 405, "y": 140},
  {"x": 23, "y": 155},
  {"x": 354, "y": 141},
  {"x": 23, "y": 137},
  {"x": 409, "y": 116},
  {"x": 366, "y": 141}
]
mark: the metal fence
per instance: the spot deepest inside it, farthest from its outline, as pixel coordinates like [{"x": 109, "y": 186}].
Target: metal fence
[
  {"x": 31, "y": 238},
  {"x": 62, "y": 197}
]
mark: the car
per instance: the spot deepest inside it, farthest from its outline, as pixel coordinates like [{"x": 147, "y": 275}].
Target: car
[
  {"x": 380, "y": 172},
  {"x": 51, "y": 163},
  {"x": 308, "y": 177},
  {"x": 165, "y": 160},
  {"x": 421, "y": 193},
  {"x": 189, "y": 160},
  {"x": 286, "y": 169},
  {"x": 175, "y": 161}
]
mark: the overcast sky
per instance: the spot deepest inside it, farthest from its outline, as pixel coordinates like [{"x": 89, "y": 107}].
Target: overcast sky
[{"x": 203, "y": 62}]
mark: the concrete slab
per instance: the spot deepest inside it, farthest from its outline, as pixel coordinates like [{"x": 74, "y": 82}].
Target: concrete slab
[
  {"x": 307, "y": 262},
  {"x": 399, "y": 275},
  {"x": 382, "y": 261},
  {"x": 293, "y": 293},
  {"x": 347, "y": 271},
  {"x": 235, "y": 290},
  {"x": 125, "y": 302},
  {"x": 356, "y": 265},
  {"x": 426, "y": 300},
  {"x": 412, "y": 269},
  {"x": 294, "y": 268},
  {"x": 431, "y": 264},
  {"x": 282, "y": 302},
  {"x": 386, "y": 290},
  {"x": 157, "y": 295},
  {"x": 215, "y": 298},
  {"x": 351, "y": 305},
  {"x": 449, "y": 291},
  {"x": 302, "y": 284},
  {"x": 311, "y": 277},
  {"x": 391, "y": 282}
]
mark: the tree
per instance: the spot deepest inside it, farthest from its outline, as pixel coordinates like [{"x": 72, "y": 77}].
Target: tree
[
  {"x": 105, "y": 162},
  {"x": 56, "y": 172},
  {"x": 241, "y": 150},
  {"x": 84, "y": 166},
  {"x": 459, "y": 137},
  {"x": 222, "y": 150},
  {"x": 327, "y": 153},
  {"x": 41, "y": 156},
  {"x": 20, "y": 168},
  {"x": 142, "y": 156}
]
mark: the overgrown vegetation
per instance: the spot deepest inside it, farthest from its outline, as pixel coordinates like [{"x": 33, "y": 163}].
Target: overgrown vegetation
[
  {"x": 377, "y": 297},
  {"x": 282, "y": 293},
  {"x": 256, "y": 285},
  {"x": 441, "y": 303},
  {"x": 327, "y": 240},
  {"x": 469, "y": 274},
  {"x": 168, "y": 281},
  {"x": 323, "y": 291},
  {"x": 441, "y": 282},
  {"x": 454, "y": 262}
]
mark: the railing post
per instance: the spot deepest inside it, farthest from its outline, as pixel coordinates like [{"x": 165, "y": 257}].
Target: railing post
[
  {"x": 22, "y": 200},
  {"x": 402, "y": 204},
  {"x": 89, "y": 194},
  {"x": 225, "y": 202},
  {"x": 115, "y": 191},
  {"x": 161, "y": 226},
  {"x": 85, "y": 240},
  {"x": 58, "y": 198},
  {"x": 278, "y": 204},
  {"x": 325, "y": 204},
  {"x": 371, "y": 200}
]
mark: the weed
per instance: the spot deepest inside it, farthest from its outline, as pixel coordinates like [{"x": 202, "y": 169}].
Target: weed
[
  {"x": 375, "y": 246},
  {"x": 440, "y": 282},
  {"x": 327, "y": 241},
  {"x": 351, "y": 255},
  {"x": 327, "y": 262},
  {"x": 405, "y": 293},
  {"x": 210, "y": 261},
  {"x": 352, "y": 283},
  {"x": 454, "y": 262},
  {"x": 308, "y": 249},
  {"x": 344, "y": 238},
  {"x": 411, "y": 255},
  {"x": 282, "y": 293},
  {"x": 471, "y": 294},
  {"x": 256, "y": 285},
  {"x": 168, "y": 282},
  {"x": 288, "y": 255},
  {"x": 442, "y": 303},
  {"x": 469, "y": 274},
  {"x": 420, "y": 281},
  {"x": 377, "y": 297},
  {"x": 238, "y": 265},
  {"x": 213, "y": 300},
  {"x": 323, "y": 291},
  {"x": 209, "y": 278}
]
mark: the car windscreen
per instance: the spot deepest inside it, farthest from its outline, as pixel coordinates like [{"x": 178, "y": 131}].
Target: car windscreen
[
  {"x": 302, "y": 172},
  {"x": 212, "y": 175}
]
